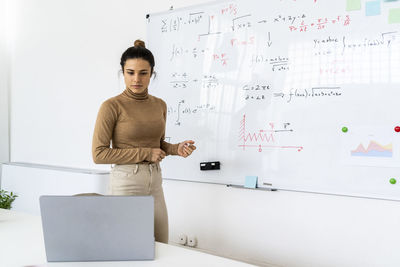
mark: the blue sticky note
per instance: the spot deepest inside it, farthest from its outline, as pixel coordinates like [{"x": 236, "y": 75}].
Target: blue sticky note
[
  {"x": 251, "y": 182},
  {"x": 373, "y": 8}
]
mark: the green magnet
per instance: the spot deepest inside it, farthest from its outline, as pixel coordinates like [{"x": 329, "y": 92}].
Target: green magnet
[
  {"x": 392, "y": 181},
  {"x": 344, "y": 129}
]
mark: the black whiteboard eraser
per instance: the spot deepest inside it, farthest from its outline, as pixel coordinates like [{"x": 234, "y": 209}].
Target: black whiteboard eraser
[{"x": 213, "y": 165}]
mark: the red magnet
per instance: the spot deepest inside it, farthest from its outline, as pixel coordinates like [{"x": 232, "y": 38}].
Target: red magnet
[{"x": 397, "y": 128}]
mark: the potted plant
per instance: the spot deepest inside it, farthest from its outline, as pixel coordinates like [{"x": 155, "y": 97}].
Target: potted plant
[{"x": 6, "y": 199}]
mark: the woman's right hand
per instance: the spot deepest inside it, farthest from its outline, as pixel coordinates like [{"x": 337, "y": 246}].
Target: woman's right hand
[{"x": 157, "y": 155}]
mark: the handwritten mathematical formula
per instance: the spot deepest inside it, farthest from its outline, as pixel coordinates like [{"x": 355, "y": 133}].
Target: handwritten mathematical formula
[
  {"x": 183, "y": 109},
  {"x": 185, "y": 80},
  {"x": 256, "y": 91},
  {"x": 308, "y": 93},
  {"x": 343, "y": 44}
]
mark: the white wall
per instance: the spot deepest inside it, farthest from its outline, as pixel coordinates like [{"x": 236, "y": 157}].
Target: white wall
[
  {"x": 282, "y": 228},
  {"x": 30, "y": 182},
  {"x": 67, "y": 55},
  {"x": 4, "y": 68},
  {"x": 285, "y": 228}
]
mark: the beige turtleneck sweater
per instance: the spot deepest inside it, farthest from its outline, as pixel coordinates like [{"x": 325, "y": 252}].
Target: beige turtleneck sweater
[{"x": 135, "y": 123}]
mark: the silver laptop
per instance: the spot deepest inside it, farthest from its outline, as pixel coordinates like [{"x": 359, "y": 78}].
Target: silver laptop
[{"x": 98, "y": 228}]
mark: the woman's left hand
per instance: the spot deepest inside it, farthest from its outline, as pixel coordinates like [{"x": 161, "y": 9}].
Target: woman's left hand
[{"x": 186, "y": 148}]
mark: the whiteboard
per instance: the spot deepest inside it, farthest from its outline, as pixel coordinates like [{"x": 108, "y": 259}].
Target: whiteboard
[{"x": 266, "y": 88}]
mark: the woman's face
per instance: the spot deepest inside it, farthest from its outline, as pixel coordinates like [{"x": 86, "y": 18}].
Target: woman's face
[{"x": 137, "y": 73}]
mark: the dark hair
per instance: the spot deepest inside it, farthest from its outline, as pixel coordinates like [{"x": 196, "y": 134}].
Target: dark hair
[{"x": 138, "y": 50}]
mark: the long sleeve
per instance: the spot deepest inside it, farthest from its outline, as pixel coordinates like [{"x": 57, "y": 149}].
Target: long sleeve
[
  {"x": 102, "y": 136},
  {"x": 170, "y": 149}
]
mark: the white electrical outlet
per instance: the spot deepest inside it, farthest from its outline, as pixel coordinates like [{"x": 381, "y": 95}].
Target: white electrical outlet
[
  {"x": 192, "y": 241},
  {"x": 182, "y": 239}
]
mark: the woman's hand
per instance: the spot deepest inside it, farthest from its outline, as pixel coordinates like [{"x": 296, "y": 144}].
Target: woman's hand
[
  {"x": 186, "y": 148},
  {"x": 157, "y": 154}
]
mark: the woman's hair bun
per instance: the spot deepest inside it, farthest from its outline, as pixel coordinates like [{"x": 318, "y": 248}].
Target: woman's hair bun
[{"x": 139, "y": 43}]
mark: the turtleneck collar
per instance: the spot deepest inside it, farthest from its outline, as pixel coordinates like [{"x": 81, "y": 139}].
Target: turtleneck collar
[{"x": 141, "y": 96}]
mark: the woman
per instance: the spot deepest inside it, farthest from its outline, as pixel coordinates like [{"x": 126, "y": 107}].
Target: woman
[{"x": 135, "y": 123}]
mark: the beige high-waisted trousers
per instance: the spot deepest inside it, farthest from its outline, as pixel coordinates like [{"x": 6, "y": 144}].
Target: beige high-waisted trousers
[{"x": 140, "y": 180}]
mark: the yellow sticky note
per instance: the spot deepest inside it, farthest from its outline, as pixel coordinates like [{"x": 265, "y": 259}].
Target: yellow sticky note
[{"x": 353, "y": 5}]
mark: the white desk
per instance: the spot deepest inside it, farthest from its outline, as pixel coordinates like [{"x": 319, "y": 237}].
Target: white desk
[{"x": 21, "y": 244}]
